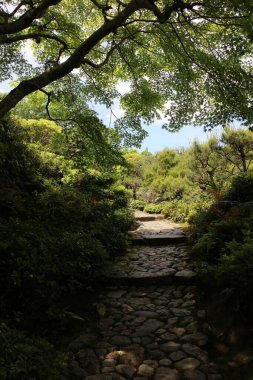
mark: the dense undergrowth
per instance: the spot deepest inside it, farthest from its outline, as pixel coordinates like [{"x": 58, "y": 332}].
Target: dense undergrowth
[
  {"x": 60, "y": 224},
  {"x": 222, "y": 239}
]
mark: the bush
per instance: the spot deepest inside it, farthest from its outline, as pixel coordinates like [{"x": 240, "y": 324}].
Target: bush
[
  {"x": 28, "y": 358},
  {"x": 209, "y": 246},
  {"x": 153, "y": 208},
  {"x": 241, "y": 189},
  {"x": 56, "y": 234},
  {"x": 176, "y": 210},
  {"x": 223, "y": 244},
  {"x": 234, "y": 275},
  {"x": 137, "y": 204},
  {"x": 59, "y": 225}
]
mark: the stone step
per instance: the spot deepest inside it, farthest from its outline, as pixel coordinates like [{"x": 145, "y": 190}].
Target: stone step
[
  {"x": 157, "y": 240},
  {"x": 149, "y": 218},
  {"x": 147, "y": 265},
  {"x": 142, "y": 216},
  {"x": 189, "y": 278}
]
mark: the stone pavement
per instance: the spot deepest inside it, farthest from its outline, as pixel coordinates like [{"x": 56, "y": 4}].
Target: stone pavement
[
  {"x": 147, "y": 331},
  {"x": 156, "y": 231},
  {"x": 154, "y": 264}
]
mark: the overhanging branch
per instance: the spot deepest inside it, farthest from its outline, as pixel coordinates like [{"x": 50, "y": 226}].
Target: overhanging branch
[
  {"x": 27, "y": 18},
  {"x": 78, "y": 57},
  {"x": 29, "y": 36}
]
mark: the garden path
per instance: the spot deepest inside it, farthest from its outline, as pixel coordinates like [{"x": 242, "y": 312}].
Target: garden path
[{"x": 149, "y": 325}]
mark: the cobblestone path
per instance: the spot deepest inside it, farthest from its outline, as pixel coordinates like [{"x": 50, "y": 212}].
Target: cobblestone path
[
  {"x": 147, "y": 330},
  {"x": 167, "y": 263}
]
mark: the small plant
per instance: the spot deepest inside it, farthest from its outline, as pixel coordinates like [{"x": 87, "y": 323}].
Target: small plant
[
  {"x": 153, "y": 208},
  {"x": 137, "y": 204}
]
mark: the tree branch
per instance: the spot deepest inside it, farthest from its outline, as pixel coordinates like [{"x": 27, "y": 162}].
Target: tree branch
[
  {"x": 177, "y": 5},
  {"x": 26, "y": 87},
  {"x": 28, "y": 36},
  {"x": 76, "y": 59},
  {"x": 27, "y": 18},
  {"x": 101, "y": 6},
  {"x": 48, "y": 103},
  {"x": 98, "y": 65}
]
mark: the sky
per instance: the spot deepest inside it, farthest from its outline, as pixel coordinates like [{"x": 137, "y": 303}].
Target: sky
[{"x": 157, "y": 139}]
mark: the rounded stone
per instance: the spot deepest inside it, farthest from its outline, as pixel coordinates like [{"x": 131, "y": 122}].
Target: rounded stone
[
  {"x": 194, "y": 375},
  {"x": 168, "y": 336},
  {"x": 170, "y": 346},
  {"x": 155, "y": 354},
  {"x": 243, "y": 357},
  {"x": 187, "y": 364},
  {"x": 109, "y": 363},
  {"x": 186, "y": 273},
  {"x": 196, "y": 338},
  {"x": 178, "y": 355},
  {"x": 145, "y": 370},
  {"x": 152, "y": 363},
  {"x": 180, "y": 312},
  {"x": 125, "y": 370},
  {"x": 195, "y": 351},
  {"x": 148, "y": 327},
  {"x": 107, "y": 369},
  {"x": 165, "y": 362},
  {"x": 120, "y": 340},
  {"x": 131, "y": 355},
  {"x": 167, "y": 374},
  {"x": 179, "y": 331},
  {"x": 172, "y": 321}
]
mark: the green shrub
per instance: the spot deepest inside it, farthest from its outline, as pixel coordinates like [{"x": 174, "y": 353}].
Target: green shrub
[
  {"x": 28, "y": 358},
  {"x": 153, "y": 208},
  {"x": 176, "y": 210},
  {"x": 223, "y": 244},
  {"x": 137, "y": 204},
  {"x": 56, "y": 234},
  {"x": 60, "y": 224},
  {"x": 209, "y": 246},
  {"x": 241, "y": 189},
  {"x": 234, "y": 275}
]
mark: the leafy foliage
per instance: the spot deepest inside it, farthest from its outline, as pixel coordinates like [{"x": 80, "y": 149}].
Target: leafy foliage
[
  {"x": 182, "y": 183},
  {"x": 223, "y": 243},
  {"x": 60, "y": 223},
  {"x": 183, "y": 60},
  {"x": 27, "y": 357},
  {"x": 55, "y": 214},
  {"x": 153, "y": 208}
]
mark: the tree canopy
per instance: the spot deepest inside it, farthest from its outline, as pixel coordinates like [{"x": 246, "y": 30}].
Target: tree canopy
[{"x": 190, "y": 60}]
